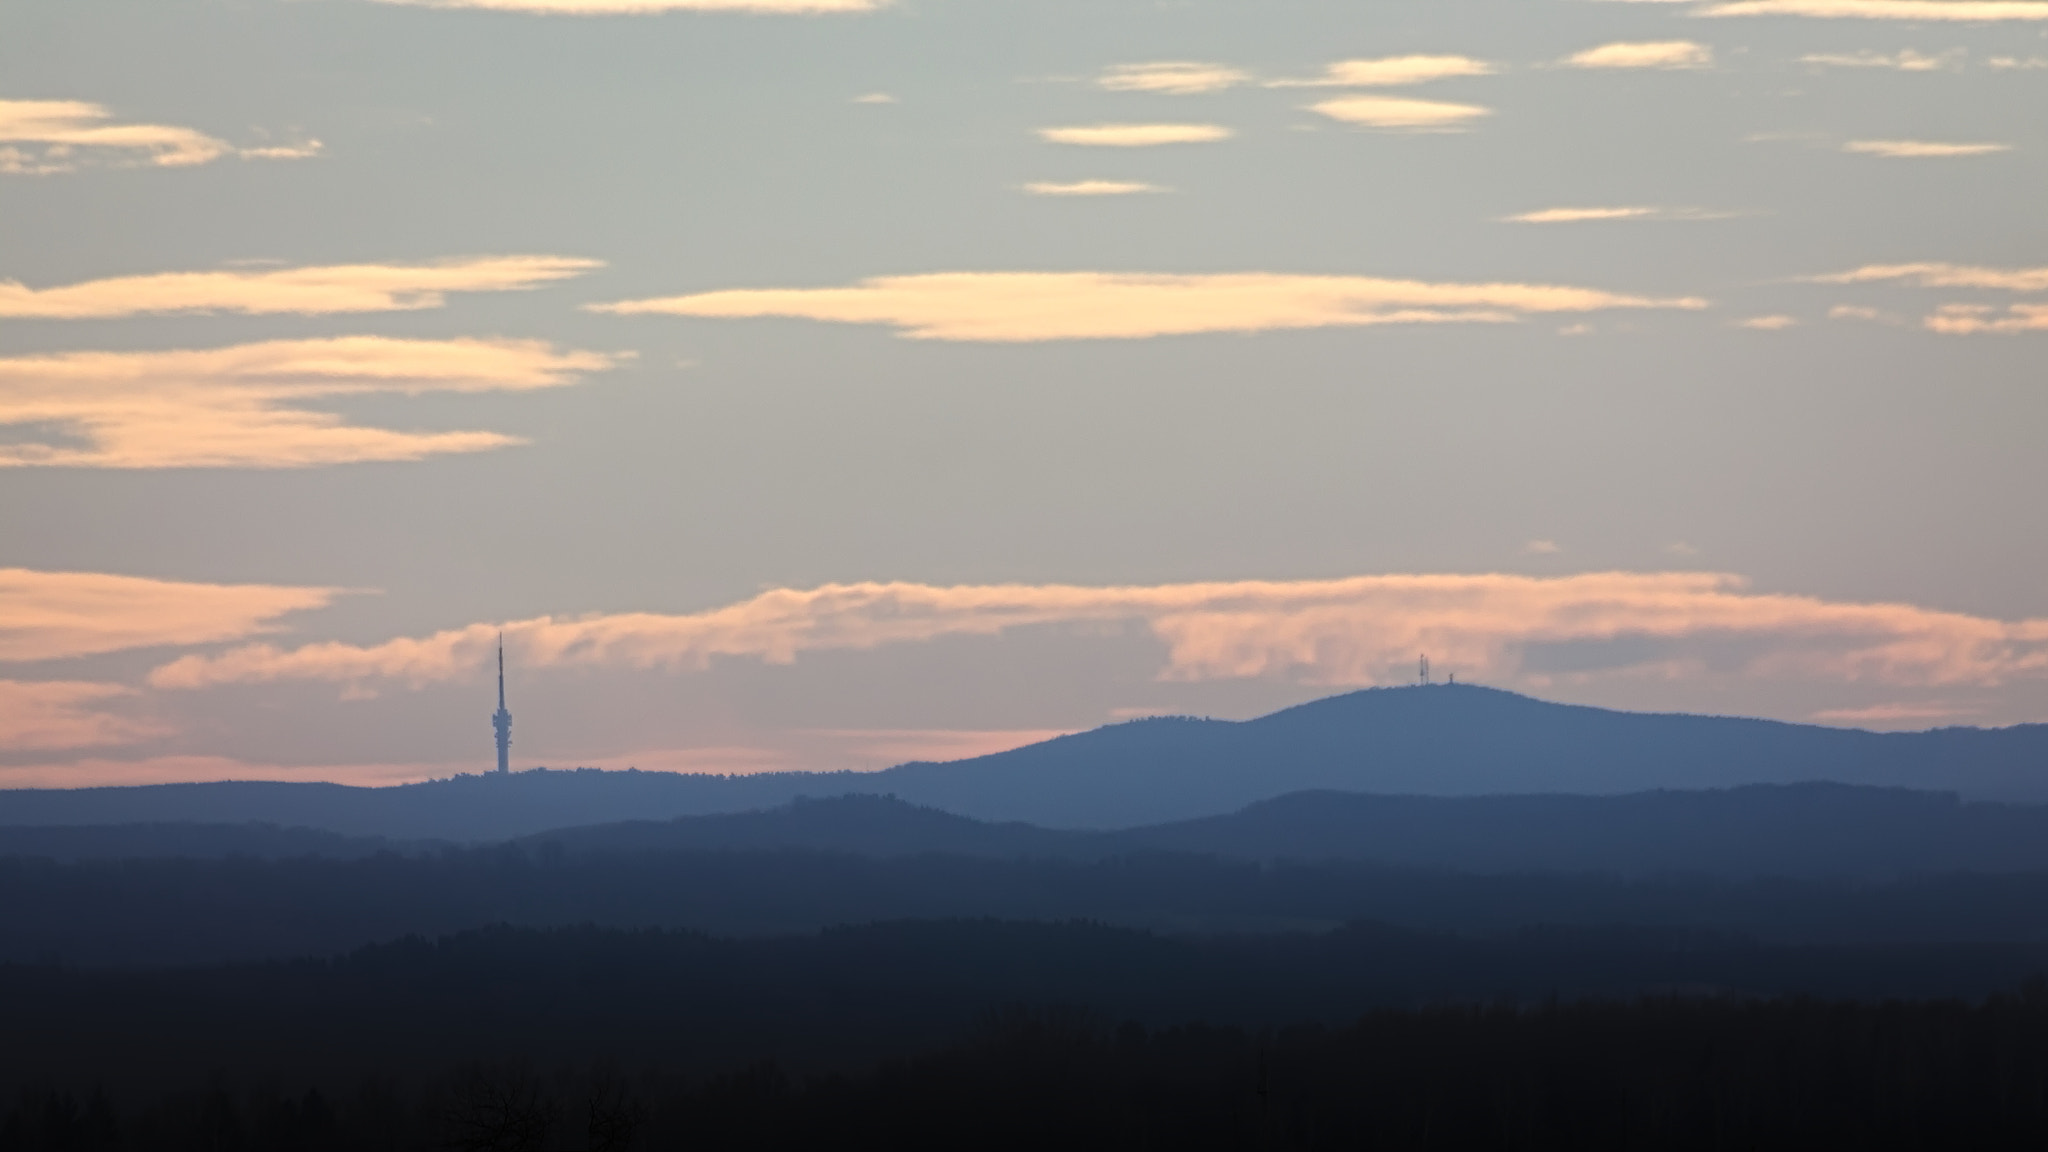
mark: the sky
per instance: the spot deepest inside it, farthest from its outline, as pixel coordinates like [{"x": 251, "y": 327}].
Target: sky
[{"x": 822, "y": 384}]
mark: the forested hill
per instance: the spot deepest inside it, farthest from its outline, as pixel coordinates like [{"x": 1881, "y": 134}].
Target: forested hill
[
  {"x": 1810, "y": 830},
  {"x": 1450, "y": 740},
  {"x": 1439, "y": 740}
]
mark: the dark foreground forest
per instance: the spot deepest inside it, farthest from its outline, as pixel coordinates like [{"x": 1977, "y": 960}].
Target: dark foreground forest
[
  {"x": 1660, "y": 1073},
  {"x": 968, "y": 1034}
]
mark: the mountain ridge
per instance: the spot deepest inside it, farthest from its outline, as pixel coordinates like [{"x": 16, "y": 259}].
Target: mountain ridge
[{"x": 1439, "y": 740}]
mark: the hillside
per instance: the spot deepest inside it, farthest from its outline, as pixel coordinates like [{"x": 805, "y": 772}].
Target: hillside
[{"x": 1431, "y": 741}]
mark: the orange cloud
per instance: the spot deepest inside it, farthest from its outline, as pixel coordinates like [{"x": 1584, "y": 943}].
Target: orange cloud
[
  {"x": 1921, "y": 149},
  {"x": 1654, "y": 54},
  {"x": 1091, "y": 188},
  {"x": 1175, "y": 78},
  {"x": 59, "y": 615},
  {"x": 1970, "y": 319},
  {"x": 644, "y": 7},
  {"x": 1361, "y": 630},
  {"x": 1637, "y": 212},
  {"x": 53, "y": 714},
  {"x": 103, "y": 773},
  {"x": 1400, "y": 113},
  {"x": 238, "y": 407},
  {"x": 1390, "y": 72},
  {"x": 1135, "y": 135},
  {"x": 1962, "y": 11},
  {"x": 61, "y": 133},
  {"x": 1023, "y": 306},
  {"x": 1938, "y": 275},
  {"x": 304, "y": 291}
]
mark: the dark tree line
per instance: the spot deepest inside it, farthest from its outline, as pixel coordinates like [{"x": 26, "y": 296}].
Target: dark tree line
[
  {"x": 189, "y": 911},
  {"x": 1670, "y": 1074}
]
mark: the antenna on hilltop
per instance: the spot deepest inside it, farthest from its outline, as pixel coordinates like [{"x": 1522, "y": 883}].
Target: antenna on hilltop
[
  {"x": 502, "y": 719},
  {"x": 1425, "y": 669}
]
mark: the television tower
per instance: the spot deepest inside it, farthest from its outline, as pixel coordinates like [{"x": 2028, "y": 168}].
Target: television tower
[{"x": 502, "y": 721}]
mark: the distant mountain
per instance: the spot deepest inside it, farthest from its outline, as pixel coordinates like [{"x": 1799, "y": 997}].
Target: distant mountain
[
  {"x": 863, "y": 825},
  {"x": 1450, "y": 740},
  {"x": 1805, "y": 830},
  {"x": 1429, "y": 741},
  {"x": 192, "y": 841}
]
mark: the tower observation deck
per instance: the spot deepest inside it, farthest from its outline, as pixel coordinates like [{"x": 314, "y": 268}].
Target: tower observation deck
[{"x": 502, "y": 720}]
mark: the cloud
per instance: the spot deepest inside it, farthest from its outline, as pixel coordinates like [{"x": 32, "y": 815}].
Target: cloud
[
  {"x": 1331, "y": 633},
  {"x": 1964, "y": 11},
  {"x": 644, "y": 7},
  {"x": 1395, "y": 112},
  {"x": 53, "y": 714},
  {"x": 1173, "y": 77},
  {"x": 1091, "y": 188},
  {"x": 1135, "y": 135},
  {"x": 238, "y": 407},
  {"x": 875, "y": 98},
  {"x": 1636, "y": 212},
  {"x": 1542, "y": 548},
  {"x": 1904, "y": 60},
  {"x": 1774, "y": 323},
  {"x": 1654, "y": 54},
  {"x": 61, "y": 615},
  {"x": 1853, "y": 312},
  {"x": 1938, "y": 275},
  {"x": 1920, "y": 149},
  {"x": 102, "y": 773},
  {"x": 305, "y": 151},
  {"x": 304, "y": 291},
  {"x": 62, "y": 128},
  {"x": 1891, "y": 714},
  {"x": 1390, "y": 72},
  {"x": 1023, "y": 306},
  {"x": 2011, "y": 63},
  {"x": 1971, "y": 319}
]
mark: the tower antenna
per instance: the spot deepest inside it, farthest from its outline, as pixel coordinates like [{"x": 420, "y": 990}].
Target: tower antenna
[
  {"x": 1425, "y": 669},
  {"x": 502, "y": 720}
]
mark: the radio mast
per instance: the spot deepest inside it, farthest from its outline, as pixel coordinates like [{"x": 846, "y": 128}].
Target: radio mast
[{"x": 502, "y": 720}]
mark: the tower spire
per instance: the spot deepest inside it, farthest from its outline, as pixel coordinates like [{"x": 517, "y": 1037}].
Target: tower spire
[{"x": 502, "y": 721}]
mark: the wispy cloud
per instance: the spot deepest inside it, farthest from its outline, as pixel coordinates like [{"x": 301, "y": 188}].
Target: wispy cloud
[
  {"x": 1091, "y": 188},
  {"x": 1390, "y": 72},
  {"x": 239, "y": 407},
  {"x": 55, "y": 714},
  {"x": 874, "y": 98},
  {"x": 1362, "y": 630},
  {"x": 1024, "y": 306},
  {"x": 1776, "y": 322},
  {"x": 1971, "y": 319},
  {"x": 1938, "y": 275},
  {"x": 1962, "y": 11},
  {"x": 62, "y": 134},
  {"x": 1904, "y": 60},
  {"x": 1173, "y": 77},
  {"x": 1920, "y": 149},
  {"x": 2015, "y": 63},
  {"x": 61, "y": 615},
  {"x": 645, "y": 7},
  {"x": 1135, "y": 135},
  {"x": 1593, "y": 215},
  {"x": 1892, "y": 714},
  {"x": 304, "y": 291},
  {"x": 1396, "y": 112},
  {"x": 1651, "y": 54}
]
